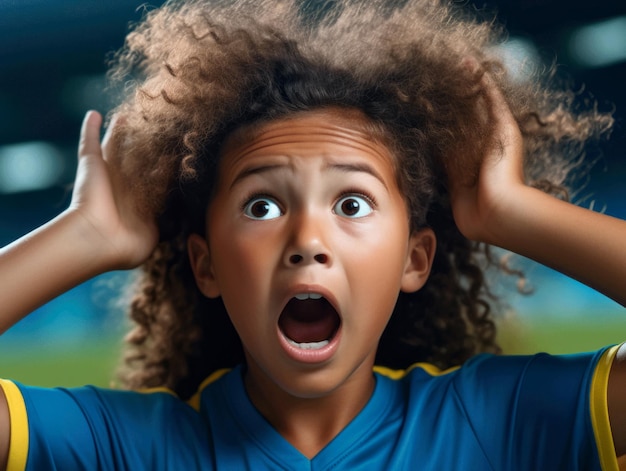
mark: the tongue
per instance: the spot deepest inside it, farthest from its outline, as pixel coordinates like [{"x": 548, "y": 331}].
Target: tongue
[{"x": 311, "y": 320}]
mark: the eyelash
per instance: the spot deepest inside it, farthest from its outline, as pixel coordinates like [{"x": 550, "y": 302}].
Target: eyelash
[
  {"x": 363, "y": 194},
  {"x": 256, "y": 195}
]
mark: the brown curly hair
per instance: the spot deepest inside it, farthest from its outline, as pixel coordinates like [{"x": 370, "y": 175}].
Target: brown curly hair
[{"x": 195, "y": 71}]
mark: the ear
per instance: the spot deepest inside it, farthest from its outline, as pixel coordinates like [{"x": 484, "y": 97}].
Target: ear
[
  {"x": 200, "y": 260},
  {"x": 421, "y": 252}
]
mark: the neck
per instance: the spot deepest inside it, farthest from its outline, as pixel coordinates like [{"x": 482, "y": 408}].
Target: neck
[{"x": 310, "y": 423}]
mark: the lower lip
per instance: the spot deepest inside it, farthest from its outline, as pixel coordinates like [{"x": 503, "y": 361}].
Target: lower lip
[{"x": 310, "y": 356}]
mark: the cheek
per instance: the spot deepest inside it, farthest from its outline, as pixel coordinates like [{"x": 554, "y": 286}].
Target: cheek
[
  {"x": 378, "y": 261},
  {"x": 237, "y": 272},
  {"x": 384, "y": 247},
  {"x": 370, "y": 261},
  {"x": 240, "y": 260}
]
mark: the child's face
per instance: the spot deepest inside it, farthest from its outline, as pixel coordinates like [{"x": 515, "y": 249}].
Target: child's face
[{"x": 309, "y": 207}]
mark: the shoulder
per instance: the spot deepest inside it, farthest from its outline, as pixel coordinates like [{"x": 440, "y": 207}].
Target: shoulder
[
  {"x": 499, "y": 368},
  {"x": 102, "y": 402},
  {"x": 533, "y": 389},
  {"x": 91, "y": 427},
  {"x": 540, "y": 377},
  {"x": 507, "y": 405}
]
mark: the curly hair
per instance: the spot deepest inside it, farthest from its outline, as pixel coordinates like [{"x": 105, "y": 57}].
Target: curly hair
[{"x": 196, "y": 71}]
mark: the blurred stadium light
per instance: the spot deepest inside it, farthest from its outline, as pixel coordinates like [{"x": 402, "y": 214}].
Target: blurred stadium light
[
  {"x": 520, "y": 57},
  {"x": 599, "y": 44},
  {"x": 30, "y": 166}
]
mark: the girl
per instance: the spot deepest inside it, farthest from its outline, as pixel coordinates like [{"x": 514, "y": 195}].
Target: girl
[{"x": 308, "y": 197}]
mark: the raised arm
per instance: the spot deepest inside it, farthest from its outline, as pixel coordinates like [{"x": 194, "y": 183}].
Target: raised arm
[
  {"x": 588, "y": 246},
  {"x": 501, "y": 210},
  {"x": 100, "y": 231}
]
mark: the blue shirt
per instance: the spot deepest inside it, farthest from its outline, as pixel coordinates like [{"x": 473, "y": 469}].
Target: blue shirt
[{"x": 537, "y": 412}]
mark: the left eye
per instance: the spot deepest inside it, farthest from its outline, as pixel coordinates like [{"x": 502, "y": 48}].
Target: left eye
[{"x": 353, "y": 206}]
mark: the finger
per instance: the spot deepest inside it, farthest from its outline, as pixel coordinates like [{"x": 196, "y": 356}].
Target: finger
[
  {"x": 109, "y": 140},
  {"x": 506, "y": 129},
  {"x": 507, "y": 141},
  {"x": 115, "y": 120},
  {"x": 89, "y": 143}
]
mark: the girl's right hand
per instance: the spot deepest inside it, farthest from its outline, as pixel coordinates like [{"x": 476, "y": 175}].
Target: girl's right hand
[
  {"x": 102, "y": 230},
  {"x": 103, "y": 199}
]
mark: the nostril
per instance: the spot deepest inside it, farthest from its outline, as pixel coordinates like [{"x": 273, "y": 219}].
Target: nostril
[
  {"x": 321, "y": 258},
  {"x": 295, "y": 259}
]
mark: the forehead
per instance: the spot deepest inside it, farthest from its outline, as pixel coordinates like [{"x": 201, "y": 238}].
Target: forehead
[{"x": 338, "y": 131}]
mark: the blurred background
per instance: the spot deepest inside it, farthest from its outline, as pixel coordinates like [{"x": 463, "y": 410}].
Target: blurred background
[{"x": 52, "y": 64}]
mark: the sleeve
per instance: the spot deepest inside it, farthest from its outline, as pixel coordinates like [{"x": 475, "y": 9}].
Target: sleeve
[
  {"x": 540, "y": 412},
  {"x": 90, "y": 428}
]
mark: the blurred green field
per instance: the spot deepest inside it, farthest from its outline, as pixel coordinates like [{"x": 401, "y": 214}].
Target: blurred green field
[
  {"x": 92, "y": 363},
  {"x": 558, "y": 336},
  {"x": 95, "y": 362}
]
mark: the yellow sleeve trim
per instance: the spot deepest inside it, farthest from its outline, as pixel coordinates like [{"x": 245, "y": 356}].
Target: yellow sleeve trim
[
  {"x": 600, "y": 411},
  {"x": 18, "y": 444}
]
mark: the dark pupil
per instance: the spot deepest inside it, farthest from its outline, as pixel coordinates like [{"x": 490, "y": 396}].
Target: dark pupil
[
  {"x": 260, "y": 209},
  {"x": 350, "y": 207}
]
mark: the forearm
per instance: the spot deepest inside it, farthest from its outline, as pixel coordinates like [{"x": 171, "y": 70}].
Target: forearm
[
  {"x": 583, "y": 244},
  {"x": 45, "y": 263}
]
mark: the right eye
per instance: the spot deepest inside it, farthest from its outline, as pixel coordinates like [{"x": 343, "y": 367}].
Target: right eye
[{"x": 262, "y": 208}]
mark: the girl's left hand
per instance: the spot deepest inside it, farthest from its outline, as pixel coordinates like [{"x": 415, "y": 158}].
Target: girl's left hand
[{"x": 479, "y": 207}]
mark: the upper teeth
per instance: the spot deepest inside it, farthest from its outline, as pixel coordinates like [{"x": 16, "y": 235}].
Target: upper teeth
[{"x": 303, "y": 296}]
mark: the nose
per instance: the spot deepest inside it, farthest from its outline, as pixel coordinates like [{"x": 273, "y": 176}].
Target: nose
[{"x": 307, "y": 243}]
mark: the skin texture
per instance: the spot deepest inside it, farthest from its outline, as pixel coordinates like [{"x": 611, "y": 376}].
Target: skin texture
[
  {"x": 307, "y": 169},
  {"x": 101, "y": 231}
]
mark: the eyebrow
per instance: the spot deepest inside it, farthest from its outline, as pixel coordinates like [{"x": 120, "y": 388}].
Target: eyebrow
[
  {"x": 343, "y": 167},
  {"x": 256, "y": 170},
  {"x": 357, "y": 167}
]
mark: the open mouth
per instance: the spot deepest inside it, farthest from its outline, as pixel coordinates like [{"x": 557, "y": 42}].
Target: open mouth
[{"x": 309, "y": 322}]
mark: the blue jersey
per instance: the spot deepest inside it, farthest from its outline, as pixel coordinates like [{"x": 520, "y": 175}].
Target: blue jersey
[{"x": 532, "y": 413}]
